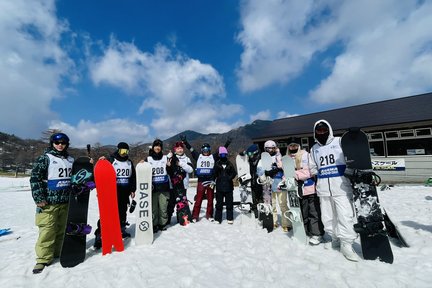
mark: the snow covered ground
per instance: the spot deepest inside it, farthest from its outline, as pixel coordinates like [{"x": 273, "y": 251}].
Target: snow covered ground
[{"x": 212, "y": 255}]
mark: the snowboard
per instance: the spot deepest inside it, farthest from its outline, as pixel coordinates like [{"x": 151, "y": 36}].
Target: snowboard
[
  {"x": 265, "y": 210},
  {"x": 144, "y": 215},
  {"x": 243, "y": 173},
  {"x": 184, "y": 215},
  {"x": 106, "y": 187},
  {"x": 74, "y": 242},
  {"x": 5, "y": 231},
  {"x": 370, "y": 219},
  {"x": 265, "y": 214},
  {"x": 294, "y": 213}
]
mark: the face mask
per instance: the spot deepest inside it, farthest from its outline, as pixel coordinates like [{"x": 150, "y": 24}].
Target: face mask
[
  {"x": 293, "y": 151},
  {"x": 322, "y": 138}
]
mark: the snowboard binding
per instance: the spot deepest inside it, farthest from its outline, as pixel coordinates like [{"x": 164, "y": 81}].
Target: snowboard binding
[
  {"x": 80, "y": 229},
  {"x": 362, "y": 176}
]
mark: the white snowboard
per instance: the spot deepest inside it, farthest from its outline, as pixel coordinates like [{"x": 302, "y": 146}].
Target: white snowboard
[
  {"x": 266, "y": 161},
  {"x": 294, "y": 213},
  {"x": 143, "y": 211},
  {"x": 243, "y": 173}
]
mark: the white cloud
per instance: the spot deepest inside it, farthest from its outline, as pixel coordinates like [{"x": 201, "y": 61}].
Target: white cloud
[
  {"x": 386, "y": 46},
  {"x": 276, "y": 46},
  {"x": 110, "y": 131},
  {"x": 284, "y": 114},
  {"x": 262, "y": 115},
  {"x": 389, "y": 55},
  {"x": 184, "y": 93},
  {"x": 32, "y": 65}
]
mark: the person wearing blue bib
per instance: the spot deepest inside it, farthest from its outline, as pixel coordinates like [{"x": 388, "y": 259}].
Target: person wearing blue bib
[{"x": 334, "y": 189}]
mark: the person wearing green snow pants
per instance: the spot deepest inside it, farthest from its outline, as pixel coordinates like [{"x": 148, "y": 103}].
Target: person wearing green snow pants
[
  {"x": 50, "y": 184},
  {"x": 160, "y": 208},
  {"x": 51, "y": 220}
]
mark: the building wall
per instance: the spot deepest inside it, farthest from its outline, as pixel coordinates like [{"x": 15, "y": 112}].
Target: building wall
[{"x": 417, "y": 170}]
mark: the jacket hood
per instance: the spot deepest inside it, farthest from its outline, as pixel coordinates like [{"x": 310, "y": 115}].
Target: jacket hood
[{"x": 330, "y": 138}]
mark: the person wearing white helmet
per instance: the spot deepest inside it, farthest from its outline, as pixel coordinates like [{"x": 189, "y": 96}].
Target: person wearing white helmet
[
  {"x": 278, "y": 196},
  {"x": 334, "y": 189}
]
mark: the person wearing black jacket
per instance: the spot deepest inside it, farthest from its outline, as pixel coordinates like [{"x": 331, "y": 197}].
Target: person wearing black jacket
[
  {"x": 224, "y": 173},
  {"x": 205, "y": 174},
  {"x": 161, "y": 185},
  {"x": 126, "y": 187},
  {"x": 254, "y": 156}
]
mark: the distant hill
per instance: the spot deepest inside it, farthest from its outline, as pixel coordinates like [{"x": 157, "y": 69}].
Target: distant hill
[
  {"x": 17, "y": 153},
  {"x": 241, "y": 137}
]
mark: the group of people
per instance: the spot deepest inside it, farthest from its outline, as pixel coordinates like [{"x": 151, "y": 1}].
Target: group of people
[{"x": 326, "y": 194}]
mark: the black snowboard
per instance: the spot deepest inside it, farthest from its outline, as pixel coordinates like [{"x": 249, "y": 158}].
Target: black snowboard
[
  {"x": 184, "y": 216},
  {"x": 370, "y": 219},
  {"x": 74, "y": 243}
]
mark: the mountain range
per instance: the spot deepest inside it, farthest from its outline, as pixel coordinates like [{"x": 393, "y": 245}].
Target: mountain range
[{"x": 18, "y": 154}]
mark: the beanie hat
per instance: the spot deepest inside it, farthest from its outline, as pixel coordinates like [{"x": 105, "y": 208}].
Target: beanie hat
[
  {"x": 293, "y": 140},
  {"x": 157, "y": 142},
  {"x": 223, "y": 150},
  {"x": 122, "y": 145}
]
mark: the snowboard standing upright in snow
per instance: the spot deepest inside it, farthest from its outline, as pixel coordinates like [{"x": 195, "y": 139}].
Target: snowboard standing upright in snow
[
  {"x": 144, "y": 218},
  {"x": 244, "y": 176},
  {"x": 294, "y": 213},
  {"x": 74, "y": 242},
  {"x": 265, "y": 209},
  {"x": 106, "y": 186},
  {"x": 370, "y": 220}
]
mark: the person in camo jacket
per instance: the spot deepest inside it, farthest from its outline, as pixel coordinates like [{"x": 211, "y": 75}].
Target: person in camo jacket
[{"x": 50, "y": 183}]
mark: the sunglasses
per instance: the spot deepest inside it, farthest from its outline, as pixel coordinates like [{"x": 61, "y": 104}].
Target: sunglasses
[{"x": 59, "y": 143}]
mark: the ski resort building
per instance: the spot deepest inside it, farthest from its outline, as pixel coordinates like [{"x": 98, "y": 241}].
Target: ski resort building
[{"x": 399, "y": 132}]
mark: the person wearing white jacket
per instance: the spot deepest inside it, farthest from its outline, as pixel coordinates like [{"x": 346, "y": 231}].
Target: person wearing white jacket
[{"x": 333, "y": 188}]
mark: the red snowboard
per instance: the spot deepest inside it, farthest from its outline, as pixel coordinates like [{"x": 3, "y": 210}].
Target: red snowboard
[{"x": 106, "y": 187}]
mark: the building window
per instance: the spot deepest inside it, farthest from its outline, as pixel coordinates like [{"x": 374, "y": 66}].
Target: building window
[
  {"x": 423, "y": 132},
  {"x": 375, "y": 136},
  {"x": 392, "y": 134},
  {"x": 376, "y": 148},
  {"x": 406, "y": 133},
  {"x": 418, "y": 146}
]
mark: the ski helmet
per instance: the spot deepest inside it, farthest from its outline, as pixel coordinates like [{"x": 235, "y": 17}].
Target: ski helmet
[
  {"x": 270, "y": 144},
  {"x": 59, "y": 137},
  {"x": 252, "y": 150},
  {"x": 205, "y": 148}
]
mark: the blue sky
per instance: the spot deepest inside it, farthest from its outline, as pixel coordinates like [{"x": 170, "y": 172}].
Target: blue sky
[{"x": 110, "y": 71}]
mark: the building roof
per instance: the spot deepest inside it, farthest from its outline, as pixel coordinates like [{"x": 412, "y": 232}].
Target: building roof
[{"x": 383, "y": 113}]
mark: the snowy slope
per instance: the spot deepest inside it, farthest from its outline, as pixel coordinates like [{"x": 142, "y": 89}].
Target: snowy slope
[{"x": 212, "y": 255}]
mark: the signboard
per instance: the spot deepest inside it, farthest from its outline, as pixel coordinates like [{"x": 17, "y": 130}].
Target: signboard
[{"x": 389, "y": 165}]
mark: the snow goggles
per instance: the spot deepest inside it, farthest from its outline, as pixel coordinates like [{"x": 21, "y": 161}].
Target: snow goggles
[{"x": 123, "y": 151}]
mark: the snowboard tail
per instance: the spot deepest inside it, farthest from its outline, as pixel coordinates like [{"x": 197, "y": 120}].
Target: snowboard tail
[
  {"x": 143, "y": 212},
  {"x": 106, "y": 184}
]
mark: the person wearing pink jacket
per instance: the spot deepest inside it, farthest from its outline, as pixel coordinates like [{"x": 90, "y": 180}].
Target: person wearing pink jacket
[{"x": 310, "y": 203}]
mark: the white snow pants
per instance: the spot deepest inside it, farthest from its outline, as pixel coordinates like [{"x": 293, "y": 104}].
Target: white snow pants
[{"x": 337, "y": 215}]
